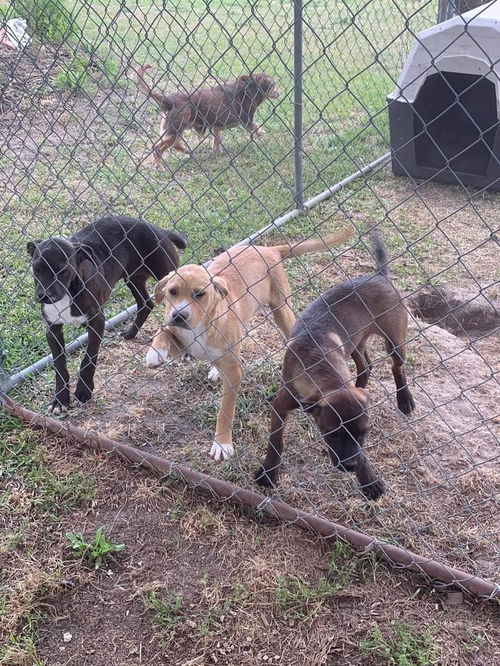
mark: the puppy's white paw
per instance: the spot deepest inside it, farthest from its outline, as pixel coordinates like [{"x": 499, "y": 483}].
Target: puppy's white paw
[
  {"x": 57, "y": 409},
  {"x": 220, "y": 452},
  {"x": 156, "y": 357},
  {"x": 214, "y": 374}
]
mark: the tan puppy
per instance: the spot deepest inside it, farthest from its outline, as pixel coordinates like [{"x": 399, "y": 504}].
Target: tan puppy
[{"x": 207, "y": 309}]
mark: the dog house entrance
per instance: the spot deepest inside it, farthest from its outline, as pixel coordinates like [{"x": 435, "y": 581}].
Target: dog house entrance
[{"x": 456, "y": 120}]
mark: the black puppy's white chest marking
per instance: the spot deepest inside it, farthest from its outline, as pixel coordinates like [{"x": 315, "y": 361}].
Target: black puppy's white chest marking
[{"x": 60, "y": 312}]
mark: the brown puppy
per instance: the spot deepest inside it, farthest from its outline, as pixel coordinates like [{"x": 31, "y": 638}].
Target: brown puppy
[
  {"x": 316, "y": 376},
  {"x": 207, "y": 309},
  {"x": 212, "y": 109}
]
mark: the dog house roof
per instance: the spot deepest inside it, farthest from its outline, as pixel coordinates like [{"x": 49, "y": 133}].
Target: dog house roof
[{"x": 468, "y": 44}]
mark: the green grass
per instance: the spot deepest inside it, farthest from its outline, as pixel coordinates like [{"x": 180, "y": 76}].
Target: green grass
[
  {"x": 49, "y": 20},
  {"x": 301, "y": 600},
  {"x": 37, "y": 492},
  {"x": 167, "y": 613},
  {"x": 97, "y": 550},
  {"x": 98, "y": 167},
  {"x": 178, "y": 508},
  {"x": 210, "y": 621},
  {"x": 28, "y": 479},
  {"x": 473, "y": 641},
  {"x": 406, "y": 647},
  {"x": 35, "y": 496},
  {"x": 20, "y": 647},
  {"x": 85, "y": 72}
]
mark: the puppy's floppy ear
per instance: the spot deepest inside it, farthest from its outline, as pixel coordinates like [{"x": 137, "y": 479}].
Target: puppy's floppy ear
[
  {"x": 158, "y": 293},
  {"x": 84, "y": 253},
  {"x": 31, "y": 247},
  {"x": 220, "y": 286}
]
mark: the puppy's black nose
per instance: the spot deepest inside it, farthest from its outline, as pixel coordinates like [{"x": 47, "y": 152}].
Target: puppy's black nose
[
  {"x": 179, "y": 316},
  {"x": 42, "y": 296}
]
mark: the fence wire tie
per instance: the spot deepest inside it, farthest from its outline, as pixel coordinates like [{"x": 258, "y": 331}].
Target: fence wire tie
[{"x": 266, "y": 502}]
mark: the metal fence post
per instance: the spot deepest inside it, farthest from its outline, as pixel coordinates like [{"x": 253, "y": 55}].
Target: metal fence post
[{"x": 297, "y": 96}]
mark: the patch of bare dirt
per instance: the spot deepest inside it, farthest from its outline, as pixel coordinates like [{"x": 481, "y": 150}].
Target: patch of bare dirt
[{"x": 40, "y": 120}]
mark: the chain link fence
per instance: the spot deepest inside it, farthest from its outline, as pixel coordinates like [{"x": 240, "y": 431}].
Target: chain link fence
[{"x": 78, "y": 144}]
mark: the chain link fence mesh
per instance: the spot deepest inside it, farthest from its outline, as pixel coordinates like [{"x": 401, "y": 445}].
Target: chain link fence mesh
[{"x": 77, "y": 145}]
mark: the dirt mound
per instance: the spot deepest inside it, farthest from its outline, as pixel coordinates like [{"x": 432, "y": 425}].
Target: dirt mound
[{"x": 458, "y": 310}]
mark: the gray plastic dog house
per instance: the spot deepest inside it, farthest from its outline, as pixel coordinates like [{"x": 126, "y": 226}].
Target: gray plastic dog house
[{"x": 444, "y": 112}]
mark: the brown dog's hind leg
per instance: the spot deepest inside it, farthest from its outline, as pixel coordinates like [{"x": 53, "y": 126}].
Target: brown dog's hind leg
[
  {"x": 283, "y": 404},
  {"x": 180, "y": 145},
  {"x": 217, "y": 145},
  {"x": 255, "y": 130},
  {"x": 161, "y": 146},
  {"x": 363, "y": 367},
  {"x": 404, "y": 398}
]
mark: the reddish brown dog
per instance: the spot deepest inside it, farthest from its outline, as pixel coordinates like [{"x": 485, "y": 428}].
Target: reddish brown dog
[{"x": 208, "y": 109}]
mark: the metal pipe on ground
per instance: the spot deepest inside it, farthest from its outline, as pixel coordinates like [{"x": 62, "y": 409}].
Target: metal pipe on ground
[
  {"x": 225, "y": 490},
  {"x": 36, "y": 368}
]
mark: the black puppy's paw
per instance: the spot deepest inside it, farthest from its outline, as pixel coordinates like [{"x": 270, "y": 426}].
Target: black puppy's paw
[
  {"x": 266, "y": 478},
  {"x": 373, "y": 490},
  {"x": 58, "y": 407},
  {"x": 129, "y": 333},
  {"x": 83, "y": 394}
]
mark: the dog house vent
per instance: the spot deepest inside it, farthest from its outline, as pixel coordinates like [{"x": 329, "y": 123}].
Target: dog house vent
[{"x": 444, "y": 113}]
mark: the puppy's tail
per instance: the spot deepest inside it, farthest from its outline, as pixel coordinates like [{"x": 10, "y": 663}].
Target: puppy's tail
[
  {"x": 177, "y": 239},
  {"x": 315, "y": 244},
  {"x": 159, "y": 97},
  {"x": 380, "y": 252}
]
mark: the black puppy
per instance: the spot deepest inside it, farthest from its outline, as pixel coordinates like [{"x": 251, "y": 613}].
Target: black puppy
[
  {"x": 316, "y": 376},
  {"x": 74, "y": 278}
]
